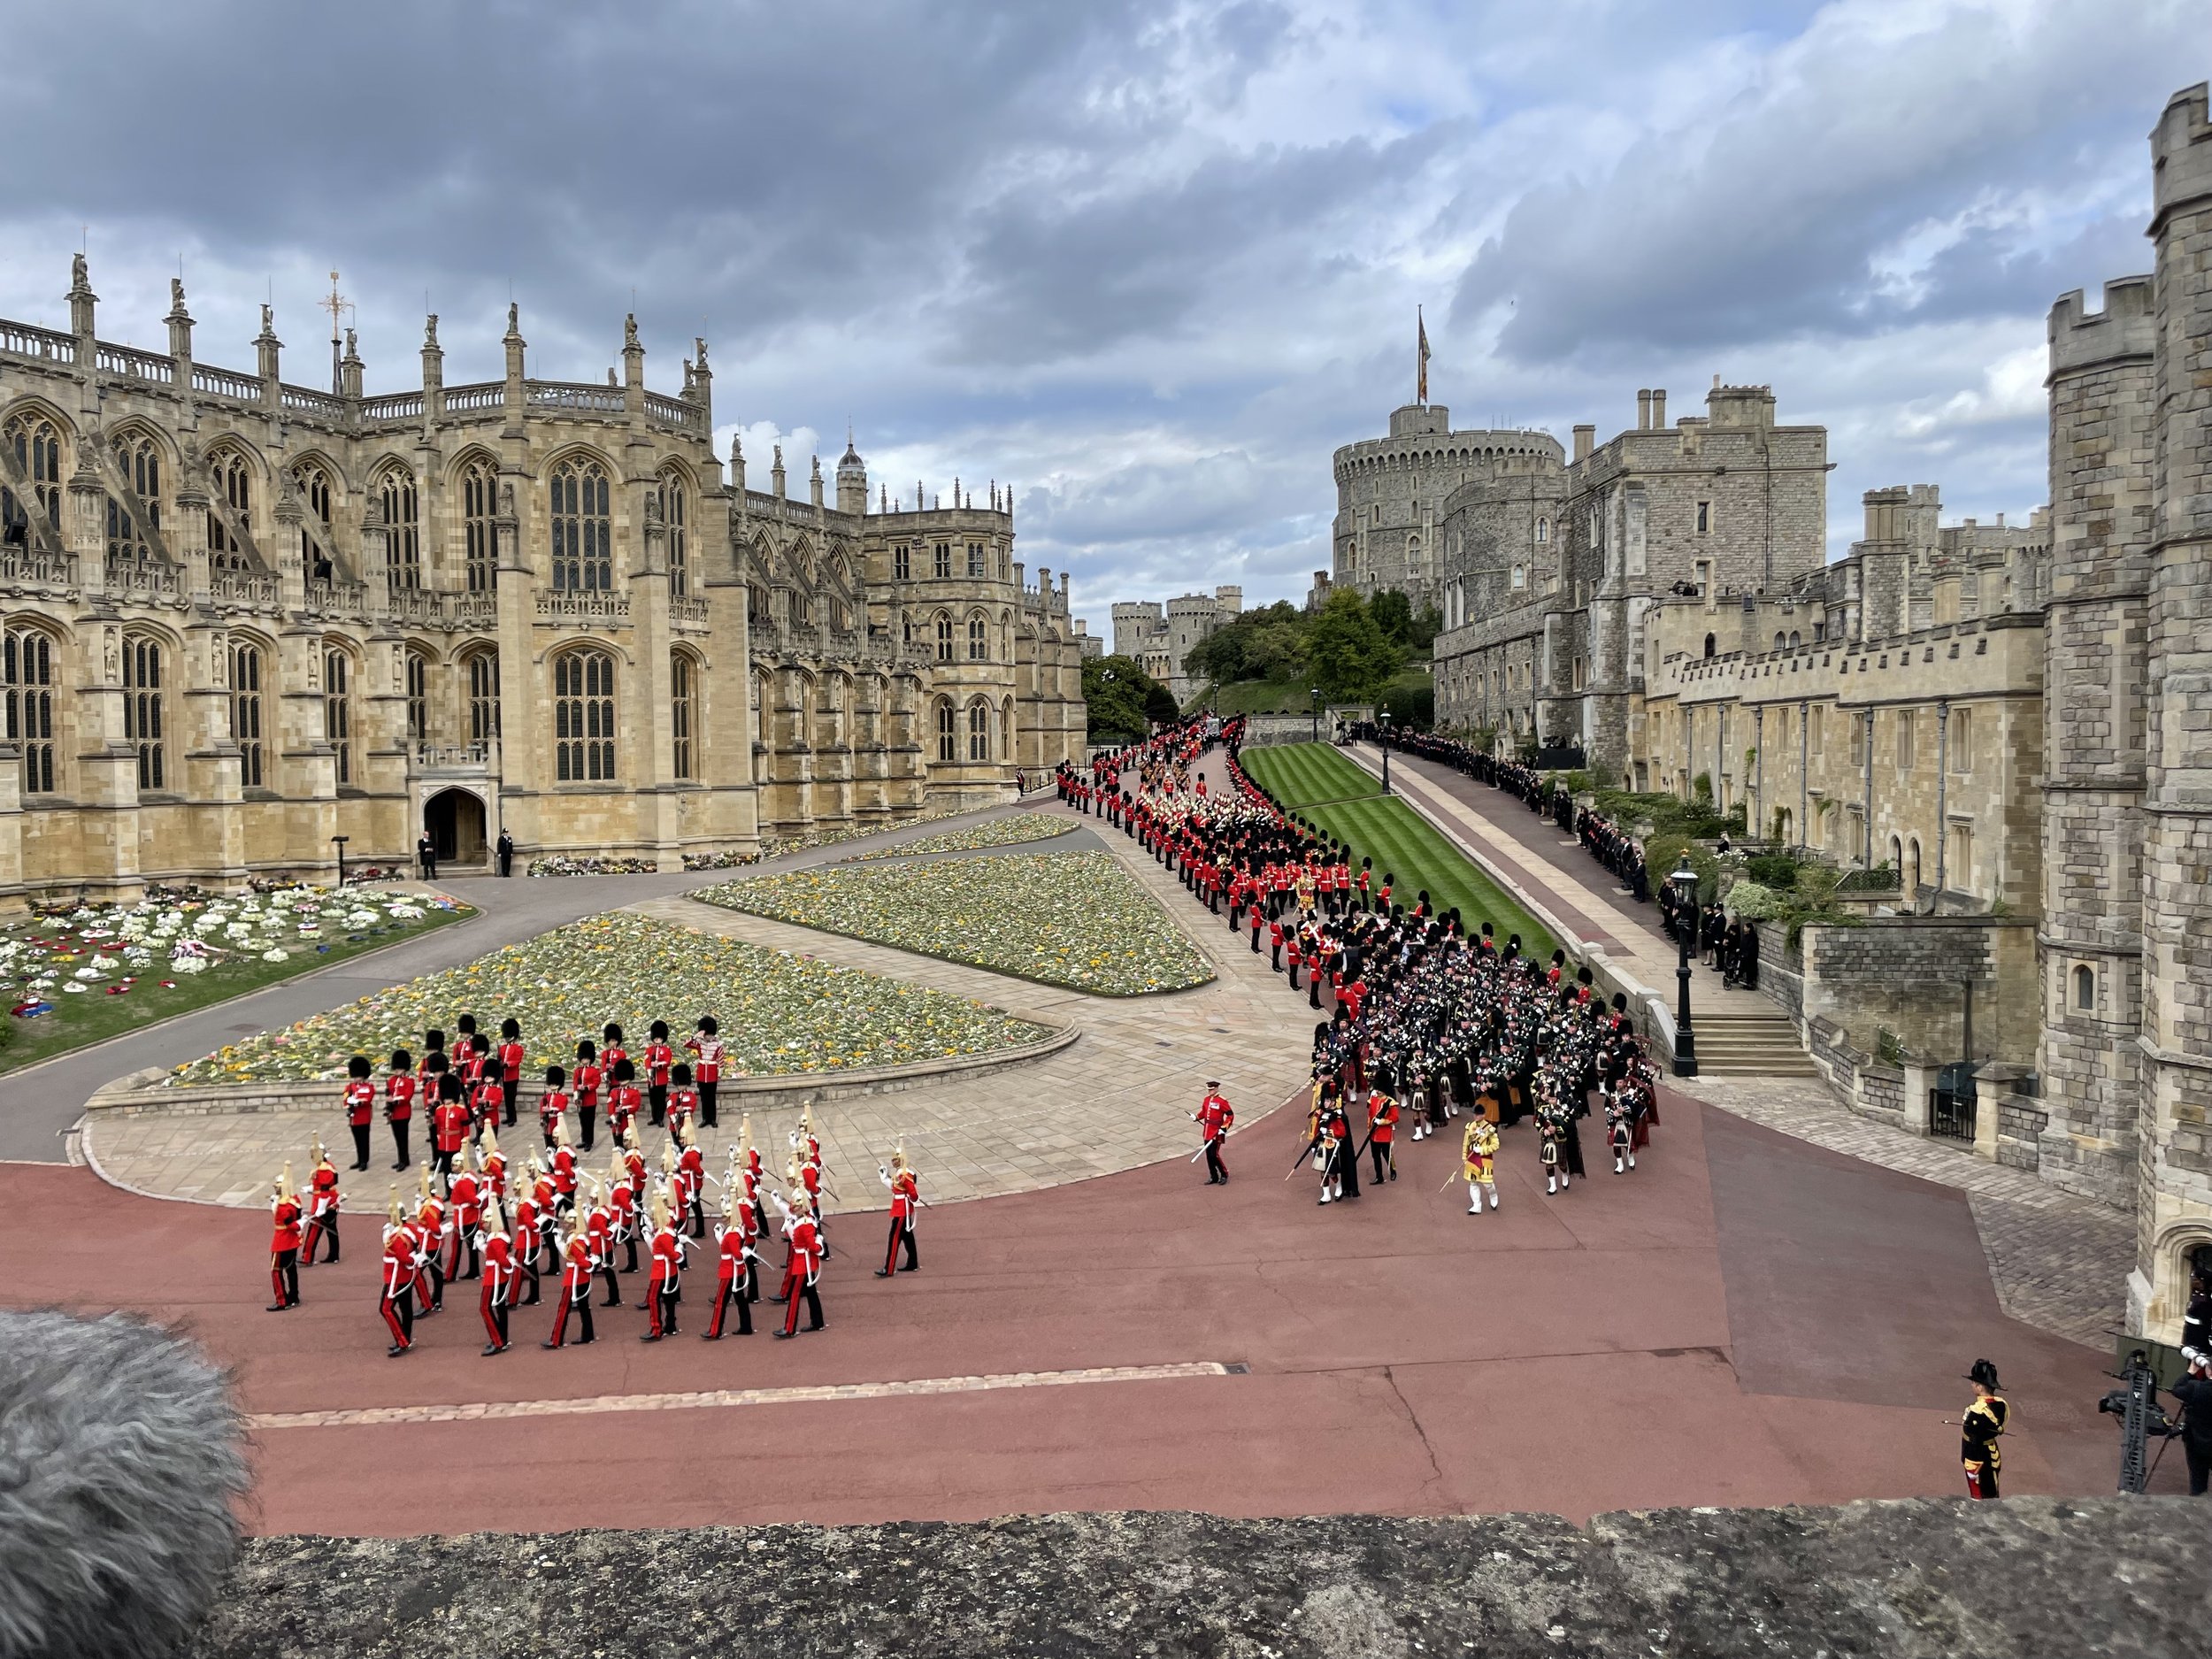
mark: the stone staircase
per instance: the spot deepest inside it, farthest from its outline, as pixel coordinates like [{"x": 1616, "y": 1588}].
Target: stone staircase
[{"x": 1745, "y": 1042}]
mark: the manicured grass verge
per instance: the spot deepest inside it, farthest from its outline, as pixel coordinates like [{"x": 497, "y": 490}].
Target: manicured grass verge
[
  {"x": 1301, "y": 774},
  {"x": 1398, "y": 839},
  {"x": 78, "y": 1022}
]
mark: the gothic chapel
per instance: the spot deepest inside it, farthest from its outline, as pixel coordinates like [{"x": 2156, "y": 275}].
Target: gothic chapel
[{"x": 244, "y": 617}]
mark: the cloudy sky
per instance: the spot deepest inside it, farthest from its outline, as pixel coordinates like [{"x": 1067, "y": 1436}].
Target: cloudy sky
[{"x": 1150, "y": 261}]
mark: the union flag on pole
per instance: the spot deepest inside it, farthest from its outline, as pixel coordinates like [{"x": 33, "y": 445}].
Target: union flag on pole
[{"x": 1421, "y": 358}]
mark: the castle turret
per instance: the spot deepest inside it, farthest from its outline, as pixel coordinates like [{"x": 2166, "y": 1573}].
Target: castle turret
[
  {"x": 2102, "y": 388},
  {"x": 852, "y": 480}
]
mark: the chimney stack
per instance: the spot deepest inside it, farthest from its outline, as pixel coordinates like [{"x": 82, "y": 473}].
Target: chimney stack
[
  {"x": 1659, "y": 408},
  {"x": 1643, "y": 411}
]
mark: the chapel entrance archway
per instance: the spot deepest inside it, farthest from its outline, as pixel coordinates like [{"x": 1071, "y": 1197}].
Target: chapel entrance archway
[{"x": 455, "y": 820}]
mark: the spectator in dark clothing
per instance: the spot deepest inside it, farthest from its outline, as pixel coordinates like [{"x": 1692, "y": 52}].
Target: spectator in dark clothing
[{"x": 2193, "y": 1394}]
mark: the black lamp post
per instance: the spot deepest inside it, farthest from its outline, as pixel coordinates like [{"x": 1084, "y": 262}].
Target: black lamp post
[
  {"x": 339, "y": 842},
  {"x": 1382, "y": 724},
  {"x": 1315, "y": 695},
  {"x": 1684, "y": 881}
]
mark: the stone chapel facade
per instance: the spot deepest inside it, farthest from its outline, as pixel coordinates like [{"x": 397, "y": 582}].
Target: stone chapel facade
[{"x": 242, "y": 617}]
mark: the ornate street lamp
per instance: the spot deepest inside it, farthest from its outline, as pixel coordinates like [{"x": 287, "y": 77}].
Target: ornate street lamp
[
  {"x": 1684, "y": 881},
  {"x": 1382, "y": 722},
  {"x": 1315, "y": 695}
]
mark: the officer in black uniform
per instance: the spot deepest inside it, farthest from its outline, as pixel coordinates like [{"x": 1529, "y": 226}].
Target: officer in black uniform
[{"x": 1979, "y": 1429}]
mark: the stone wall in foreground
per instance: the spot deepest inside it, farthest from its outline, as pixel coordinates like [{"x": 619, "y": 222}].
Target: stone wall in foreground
[{"x": 1923, "y": 1576}]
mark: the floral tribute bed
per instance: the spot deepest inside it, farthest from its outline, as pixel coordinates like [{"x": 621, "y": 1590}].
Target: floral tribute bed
[
  {"x": 1077, "y": 920},
  {"x": 779, "y": 1013},
  {"x": 997, "y": 831}
]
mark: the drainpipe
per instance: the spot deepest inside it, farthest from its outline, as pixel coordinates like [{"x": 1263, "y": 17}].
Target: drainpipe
[
  {"x": 1804, "y": 752},
  {"x": 1759, "y": 767},
  {"x": 1943, "y": 779},
  {"x": 1866, "y": 804}
]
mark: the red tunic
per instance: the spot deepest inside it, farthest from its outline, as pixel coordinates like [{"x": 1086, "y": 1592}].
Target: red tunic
[
  {"x": 658, "y": 1058},
  {"x": 450, "y": 1124},
  {"x": 511, "y": 1057},
  {"x": 284, "y": 1234},
  {"x": 360, "y": 1101},
  {"x": 588, "y": 1080},
  {"x": 399, "y": 1097}
]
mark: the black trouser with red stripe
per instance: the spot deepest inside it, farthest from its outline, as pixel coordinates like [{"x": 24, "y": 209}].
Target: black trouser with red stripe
[
  {"x": 1215, "y": 1170},
  {"x": 462, "y": 1238},
  {"x": 664, "y": 1299},
  {"x": 317, "y": 1225},
  {"x": 901, "y": 1232},
  {"x": 614, "y": 1284},
  {"x": 732, "y": 1290},
  {"x": 579, "y": 1298},
  {"x": 430, "y": 1282},
  {"x": 494, "y": 1307},
  {"x": 284, "y": 1278},
  {"x": 399, "y": 1314},
  {"x": 796, "y": 1285},
  {"x": 1379, "y": 1150}
]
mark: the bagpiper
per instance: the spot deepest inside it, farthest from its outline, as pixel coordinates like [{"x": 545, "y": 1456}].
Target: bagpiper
[
  {"x": 906, "y": 1197},
  {"x": 284, "y": 1242},
  {"x": 1478, "y": 1163},
  {"x": 322, "y": 1206}
]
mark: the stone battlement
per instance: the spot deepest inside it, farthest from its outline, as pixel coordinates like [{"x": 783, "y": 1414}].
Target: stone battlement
[{"x": 2126, "y": 327}]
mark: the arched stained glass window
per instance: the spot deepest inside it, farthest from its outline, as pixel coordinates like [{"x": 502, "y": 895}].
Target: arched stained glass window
[
  {"x": 144, "y": 728},
  {"x": 583, "y": 718},
  {"x": 29, "y": 661},
  {"x": 403, "y": 530},
  {"x": 583, "y": 527},
  {"x": 247, "y": 667}
]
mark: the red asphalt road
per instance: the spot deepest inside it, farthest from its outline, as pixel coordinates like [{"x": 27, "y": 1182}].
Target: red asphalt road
[{"x": 1745, "y": 1320}]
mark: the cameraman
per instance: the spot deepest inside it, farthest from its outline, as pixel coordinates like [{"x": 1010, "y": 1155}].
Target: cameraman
[{"x": 2194, "y": 1421}]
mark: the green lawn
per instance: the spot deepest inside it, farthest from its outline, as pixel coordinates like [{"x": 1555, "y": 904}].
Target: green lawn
[
  {"x": 1302, "y": 774},
  {"x": 56, "y": 944},
  {"x": 1400, "y": 840}
]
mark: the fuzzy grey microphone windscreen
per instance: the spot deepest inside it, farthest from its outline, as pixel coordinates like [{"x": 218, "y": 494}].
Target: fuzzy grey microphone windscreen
[{"x": 120, "y": 1453}]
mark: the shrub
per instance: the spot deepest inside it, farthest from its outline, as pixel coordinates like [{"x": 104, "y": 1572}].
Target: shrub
[
  {"x": 1753, "y": 902},
  {"x": 1773, "y": 869},
  {"x": 1663, "y": 853}
]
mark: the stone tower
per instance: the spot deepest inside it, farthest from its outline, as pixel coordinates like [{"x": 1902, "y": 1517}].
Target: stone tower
[
  {"x": 852, "y": 480},
  {"x": 2174, "y": 1215},
  {"x": 2103, "y": 392}
]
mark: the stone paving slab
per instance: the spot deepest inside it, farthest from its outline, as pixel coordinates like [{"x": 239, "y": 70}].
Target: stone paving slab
[{"x": 1118, "y": 1098}]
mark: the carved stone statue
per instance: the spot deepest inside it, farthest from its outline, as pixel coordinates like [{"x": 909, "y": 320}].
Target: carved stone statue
[
  {"x": 506, "y": 498},
  {"x": 699, "y": 341},
  {"x": 430, "y": 330},
  {"x": 111, "y": 643},
  {"x": 514, "y": 318},
  {"x": 176, "y": 294},
  {"x": 652, "y": 508},
  {"x": 268, "y": 319},
  {"x": 629, "y": 332},
  {"x": 79, "y": 278}
]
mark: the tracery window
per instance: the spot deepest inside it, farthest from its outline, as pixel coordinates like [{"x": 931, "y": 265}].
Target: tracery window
[
  {"x": 941, "y": 559},
  {"x": 675, "y": 523},
  {"x": 902, "y": 563},
  {"x": 338, "y": 710},
  {"x": 978, "y": 731},
  {"x": 36, "y": 442},
  {"x": 583, "y": 527},
  {"x": 246, "y": 667},
  {"x": 944, "y": 638},
  {"x": 975, "y": 558},
  {"x": 29, "y": 664},
  {"x": 403, "y": 530},
  {"x": 144, "y": 727},
  {"x": 315, "y": 496},
  {"x": 683, "y": 694},
  {"x": 583, "y": 718},
  {"x": 979, "y": 640},
  {"x": 947, "y": 731},
  {"x": 479, "y": 554},
  {"x": 230, "y": 481},
  {"x": 483, "y": 669},
  {"x": 418, "y": 667},
  {"x": 139, "y": 457}
]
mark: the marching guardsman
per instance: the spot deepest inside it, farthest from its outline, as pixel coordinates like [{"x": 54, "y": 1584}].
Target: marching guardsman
[
  {"x": 707, "y": 1045},
  {"x": 528, "y": 1230},
  {"x": 598, "y": 1226},
  {"x": 491, "y": 1164},
  {"x": 1382, "y": 1130},
  {"x": 396, "y": 1288},
  {"x": 621, "y": 1206},
  {"x": 624, "y": 1097},
  {"x": 733, "y": 1270},
  {"x": 802, "y": 1267},
  {"x": 360, "y": 1107},
  {"x": 322, "y": 1206},
  {"x": 564, "y": 1168},
  {"x": 1215, "y": 1118},
  {"x": 691, "y": 1170},
  {"x": 633, "y": 1175},
  {"x": 1478, "y": 1163},
  {"x": 284, "y": 1243},
  {"x": 499, "y": 1279},
  {"x": 552, "y": 1106},
  {"x": 430, "y": 1239},
  {"x": 658, "y": 1059},
  {"x": 1981, "y": 1427},
  {"x": 586, "y": 1082},
  {"x": 750, "y": 1171},
  {"x": 811, "y": 1175},
  {"x": 576, "y": 1275},
  {"x": 543, "y": 1190},
  {"x": 906, "y": 1198},
  {"x": 399, "y": 1104},
  {"x": 667, "y": 1288},
  {"x": 509, "y": 1069},
  {"x": 466, "y": 1196},
  {"x": 448, "y": 1122},
  {"x": 683, "y": 1101}
]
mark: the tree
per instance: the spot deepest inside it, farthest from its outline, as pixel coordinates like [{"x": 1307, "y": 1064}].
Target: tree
[
  {"x": 1350, "y": 658},
  {"x": 1262, "y": 644},
  {"x": 1401, "y": 625},
  {"x": 1120, "y": 696}
]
